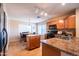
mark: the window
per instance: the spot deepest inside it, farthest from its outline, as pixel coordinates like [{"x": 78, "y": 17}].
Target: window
[
  {"x": 27, "y": 28},
  {"x": 42, "y": 29},
  {"x": 33, "y": 28},
  {"x": 22, "y": 28}
]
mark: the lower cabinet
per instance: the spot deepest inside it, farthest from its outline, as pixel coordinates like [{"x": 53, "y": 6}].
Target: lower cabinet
[
  {"x": 47, "y": 50},
  {"x": 33, "y": 41},
  {"x": 65, "y": 54}
]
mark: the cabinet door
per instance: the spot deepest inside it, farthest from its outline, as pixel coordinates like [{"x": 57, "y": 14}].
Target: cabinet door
[
  {"x": 33, "y": 42},
  {"x": 71, "y": 22},
  {"x": 48, "y": 50},
  {"x": 60, "y": 25}
]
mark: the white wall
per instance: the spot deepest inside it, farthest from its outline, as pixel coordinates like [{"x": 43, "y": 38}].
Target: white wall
[
  {"x": 14, "y": 29},
  {"x": 77, "y": 22}
]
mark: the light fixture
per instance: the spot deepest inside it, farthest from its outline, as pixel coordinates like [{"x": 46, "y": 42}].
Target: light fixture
[
  {"x": 45, "y": 14},
  {"x": 36, "y": 11},
  {"x": 29, "y": 21},
  {"x": 42, "y": 13},
  {"x": 61, "y": 21},
  {"x": 63, "y": 4}
]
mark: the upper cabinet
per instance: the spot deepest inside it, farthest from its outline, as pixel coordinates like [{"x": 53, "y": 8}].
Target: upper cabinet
[{"x": 68, "y": 23}]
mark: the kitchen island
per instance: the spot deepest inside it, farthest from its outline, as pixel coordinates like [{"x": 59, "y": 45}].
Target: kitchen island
[
  {"x": 55, "y": 47},
  {"x": 33, "y": 41}
]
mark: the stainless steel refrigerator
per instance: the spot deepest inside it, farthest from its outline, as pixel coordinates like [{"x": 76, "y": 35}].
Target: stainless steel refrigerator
[{"x": 3, "y": 31}]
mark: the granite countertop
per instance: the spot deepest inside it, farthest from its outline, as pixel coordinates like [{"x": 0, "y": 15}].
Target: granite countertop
[
  {"x": 70, "y": 46},
  {"x": 33, "y": 35}
]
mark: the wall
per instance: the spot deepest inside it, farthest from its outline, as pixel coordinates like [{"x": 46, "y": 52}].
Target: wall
[
  {"x": 77, "y": 22},
  {"x": 13, "y": 29}
]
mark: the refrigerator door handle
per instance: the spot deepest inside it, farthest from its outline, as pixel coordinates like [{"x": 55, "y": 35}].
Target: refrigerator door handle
[
  {"x": 1, "y": 41},
  {"x": 5, "y": 40}
]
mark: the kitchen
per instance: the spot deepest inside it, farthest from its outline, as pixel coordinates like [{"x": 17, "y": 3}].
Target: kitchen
[{"x": 49, "y": 29}]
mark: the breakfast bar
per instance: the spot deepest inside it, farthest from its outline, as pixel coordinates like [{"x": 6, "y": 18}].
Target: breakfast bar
[{"x": 60, "y": 47}]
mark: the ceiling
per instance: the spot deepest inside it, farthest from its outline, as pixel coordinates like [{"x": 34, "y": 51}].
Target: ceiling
[{"x": 27, "y": 11}]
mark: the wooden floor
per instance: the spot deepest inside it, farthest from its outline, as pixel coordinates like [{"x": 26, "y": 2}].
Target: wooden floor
[{"x": 19, "y": 49}]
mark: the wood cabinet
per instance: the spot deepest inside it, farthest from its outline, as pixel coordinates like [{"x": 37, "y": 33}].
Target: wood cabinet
[
  {"x": 56, "y": 21},
  {"x": 33, "y": 41},
  {"x": 68, "y": 23},
  {"x": 48, "y": 50}
]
